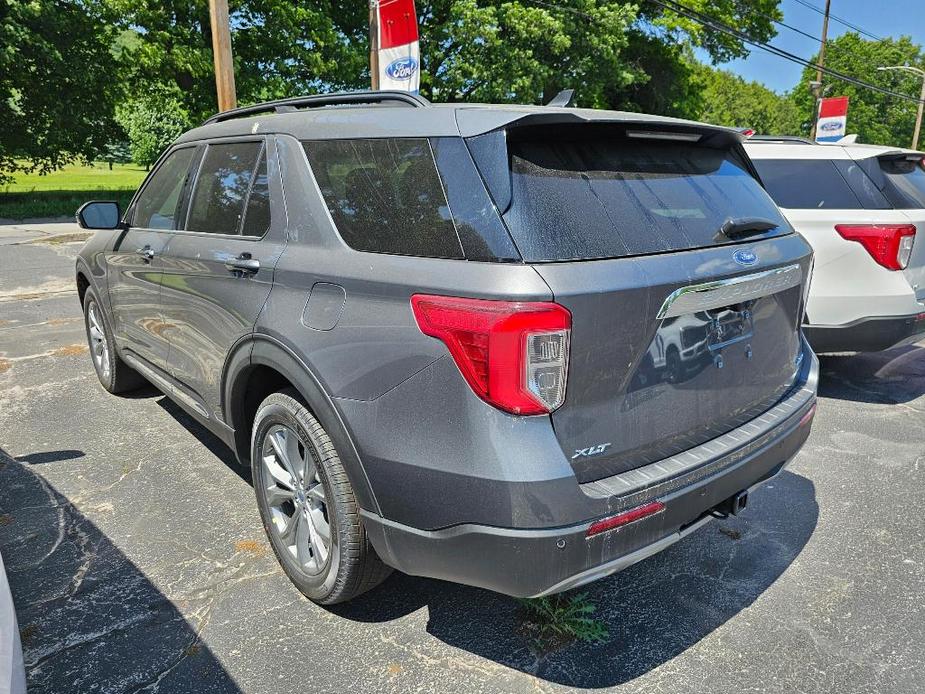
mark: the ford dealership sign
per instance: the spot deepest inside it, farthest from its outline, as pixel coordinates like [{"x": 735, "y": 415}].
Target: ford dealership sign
[{"x": 402, "y": 69}]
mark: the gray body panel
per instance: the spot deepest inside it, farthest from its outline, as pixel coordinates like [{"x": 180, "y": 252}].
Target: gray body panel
[{"x": 426, "y": 456}]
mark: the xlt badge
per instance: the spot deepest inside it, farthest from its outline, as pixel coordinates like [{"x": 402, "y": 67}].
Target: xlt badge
[{"x": 590, "y": 451}]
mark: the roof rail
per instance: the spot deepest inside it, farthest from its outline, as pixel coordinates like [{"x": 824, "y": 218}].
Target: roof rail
[
  {"x": 791, "y": 139},
  {"x": 357, "y": 98}
]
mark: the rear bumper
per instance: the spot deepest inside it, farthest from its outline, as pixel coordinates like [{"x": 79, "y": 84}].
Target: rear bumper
[
  {"x": 535, "y": 562},
  {"x": 866, "y": 334}
]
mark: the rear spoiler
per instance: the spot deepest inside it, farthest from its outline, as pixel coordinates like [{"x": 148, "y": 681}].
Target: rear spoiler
[{"x": 480, "y": 121}]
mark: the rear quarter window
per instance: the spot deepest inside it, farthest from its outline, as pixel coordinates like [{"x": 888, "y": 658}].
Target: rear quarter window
[
  {"x": 904, "y": 181},
  {"x": 385, "y": 196},
  {"x": 808, "y": 184}
]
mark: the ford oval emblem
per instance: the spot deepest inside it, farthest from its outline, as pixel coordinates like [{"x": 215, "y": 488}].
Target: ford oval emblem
[
  {"x": 402, "y": 69},
  {"x": 745, "y": 257}
]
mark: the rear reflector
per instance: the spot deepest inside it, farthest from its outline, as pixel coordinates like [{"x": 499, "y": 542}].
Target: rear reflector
[
  {"x": 621, "y": 519},
  {"x": 513, "y": 354},
  {"x": 808, "y": 417},
  {"x": 890, "y": 245}
]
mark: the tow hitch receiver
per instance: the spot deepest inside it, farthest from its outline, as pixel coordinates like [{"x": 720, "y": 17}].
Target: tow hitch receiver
[{"x": 734, "y": 505}]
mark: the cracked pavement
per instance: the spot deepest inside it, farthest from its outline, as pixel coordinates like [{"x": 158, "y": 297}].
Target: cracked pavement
[{"x": 138, "y": 564}]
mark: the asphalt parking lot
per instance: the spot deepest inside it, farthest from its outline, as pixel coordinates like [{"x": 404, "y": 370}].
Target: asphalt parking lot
[{"x": 138, "y": 563}]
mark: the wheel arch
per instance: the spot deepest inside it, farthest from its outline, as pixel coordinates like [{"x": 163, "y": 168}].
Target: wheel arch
[{"x": 261, "y": 365}]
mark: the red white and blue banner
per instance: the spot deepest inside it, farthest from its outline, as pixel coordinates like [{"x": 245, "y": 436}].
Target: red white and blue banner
[
  {"x": 831, "y": 125},
  {"x": 399, "y": 52}
]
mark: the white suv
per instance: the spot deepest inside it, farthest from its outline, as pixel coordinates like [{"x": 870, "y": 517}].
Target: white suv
[{"x": 859, "y": 206}]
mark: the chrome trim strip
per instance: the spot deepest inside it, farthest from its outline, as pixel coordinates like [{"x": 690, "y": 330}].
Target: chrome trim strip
[
  {"x": 709, "y": 295},
  {"x": 624, "y": 562},
  {"x": 163, "y": 384}
]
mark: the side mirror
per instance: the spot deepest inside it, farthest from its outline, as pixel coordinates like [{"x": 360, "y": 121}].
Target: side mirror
[{"x": 99, "y": 214}]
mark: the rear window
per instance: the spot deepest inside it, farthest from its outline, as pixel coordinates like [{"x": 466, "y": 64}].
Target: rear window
[
  {"x": 385, "y": 196},
  {"x": 807, "y": 184},
  {"x": 905, "y": 181},
  {"x": 589, "y": 192}
]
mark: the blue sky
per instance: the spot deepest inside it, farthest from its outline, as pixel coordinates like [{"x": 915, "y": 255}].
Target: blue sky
[{"x": 880, "y": 17}]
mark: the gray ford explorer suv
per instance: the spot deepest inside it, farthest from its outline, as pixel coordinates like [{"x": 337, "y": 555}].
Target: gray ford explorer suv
[{"x": 514, "y": 347}]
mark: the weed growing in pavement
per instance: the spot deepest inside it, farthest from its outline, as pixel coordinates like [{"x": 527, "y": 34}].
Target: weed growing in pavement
[{"x": 555, "y": 621}]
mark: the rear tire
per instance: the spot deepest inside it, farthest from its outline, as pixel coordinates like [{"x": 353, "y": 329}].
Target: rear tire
[
  {"x": 114, "y": 374},
  {"x": 307, "y": 504}
]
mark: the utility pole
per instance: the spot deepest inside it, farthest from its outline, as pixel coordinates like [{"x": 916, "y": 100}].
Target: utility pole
[
  {"x": 374, "y": 44},
  {"x": 817, "y": 85},
  {"x": 918, "y": 115},
  {"x": 221, "y": 54}
]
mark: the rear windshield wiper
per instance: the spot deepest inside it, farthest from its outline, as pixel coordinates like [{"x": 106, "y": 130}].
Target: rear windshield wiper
[{"x": 741, "y": 227}]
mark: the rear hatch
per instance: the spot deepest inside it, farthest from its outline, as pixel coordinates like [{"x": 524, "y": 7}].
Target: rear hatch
[
  {"x": 901, "y": 178},
  {"x": 680, "y": 332}
]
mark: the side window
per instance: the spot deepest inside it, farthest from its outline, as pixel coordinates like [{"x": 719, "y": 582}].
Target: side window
[
  {"x": 257, "y": 215},
  {"x": 159, "y": 201},
  {"x": 217, "y": 203},
  {"x": 806, "y": 184},
  {"x": 385, "y": 196},
  {"x": 870, "y": 196}
]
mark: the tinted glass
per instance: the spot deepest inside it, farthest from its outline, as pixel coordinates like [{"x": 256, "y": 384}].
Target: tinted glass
[
  {"x": 867, "y": 192},
  {"x": 477, "y": 221},
  {"x": 807, "y": 184},
  {"x": 217, "y": 204},
  {"x": 905, "y": 181},
  {"x": 257, "y": 216},
  {"x": 158, "y": 203},
  {"x": 385, "y": 196},
  {"x": 602, "y": 195}
]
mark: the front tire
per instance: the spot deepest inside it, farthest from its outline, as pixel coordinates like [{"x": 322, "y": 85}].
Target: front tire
[
  {"x": 307, "y": 504},
  {"x": 115, "y": 375}
]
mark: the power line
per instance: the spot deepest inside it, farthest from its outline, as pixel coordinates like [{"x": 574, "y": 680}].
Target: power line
[
  {"x": 715, "y": 24},
  {"x": 838, "y": 19},
  {"x": 787, "y": 26}
]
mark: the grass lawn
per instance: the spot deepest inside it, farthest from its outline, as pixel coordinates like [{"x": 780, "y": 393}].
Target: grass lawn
[{"x": 61, "y": 192}]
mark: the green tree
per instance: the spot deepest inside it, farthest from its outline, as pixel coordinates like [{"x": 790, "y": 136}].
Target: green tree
[
  {"x": 876, "y": 118},
  {"x": 730, "y": 100},
  {"x": 152, "y": 122},
  {"x": 613, "y": 52},
  {"x": 59, "y": 82}
]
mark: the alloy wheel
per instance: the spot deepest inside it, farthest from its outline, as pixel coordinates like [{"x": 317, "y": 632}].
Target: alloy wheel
[
  {"x": 296, "y": 499},
  {"x": 99, "y": 346}
]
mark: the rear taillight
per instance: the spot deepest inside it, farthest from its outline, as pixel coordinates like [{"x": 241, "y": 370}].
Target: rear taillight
[
  {"x": 890, "y": 245},
  {"x": 513, "y": 354}
]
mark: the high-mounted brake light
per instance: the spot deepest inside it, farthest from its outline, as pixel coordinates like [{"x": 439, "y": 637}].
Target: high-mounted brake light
[
  {"x": 890, "y": 245},
  {"x": 621, "y": 519},
  {"x": 513, "y": 354}
]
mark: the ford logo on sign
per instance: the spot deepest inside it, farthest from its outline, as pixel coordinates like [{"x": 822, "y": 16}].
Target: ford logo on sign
[
  {"x": 830, "y": 126},
  {"x": 402, "y": 69},
  {"x": 745, "y": 257}
]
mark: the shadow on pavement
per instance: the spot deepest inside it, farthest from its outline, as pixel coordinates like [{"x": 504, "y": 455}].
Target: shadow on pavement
[
  {"x": 654, "y": 610},
  {"x": 50, "y": 457},
  {"x": 89, "y": 618},
  {"x": 893, "y": 376}
]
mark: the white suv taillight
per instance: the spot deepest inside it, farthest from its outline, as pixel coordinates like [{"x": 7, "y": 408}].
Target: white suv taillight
[
  {"x": 513, "y": 354},
  {"x": 890, "y": 245}
]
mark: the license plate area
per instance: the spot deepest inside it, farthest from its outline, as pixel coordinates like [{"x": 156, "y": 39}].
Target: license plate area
[{"x": 730, "y": 325}]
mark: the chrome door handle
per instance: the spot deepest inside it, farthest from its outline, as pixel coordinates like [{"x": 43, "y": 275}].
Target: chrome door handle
[
  {"x": 147, "y": 253},
  {"x": 243, "y": 264}
]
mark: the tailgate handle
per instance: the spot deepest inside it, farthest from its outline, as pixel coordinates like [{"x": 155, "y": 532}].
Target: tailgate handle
[{"x": 728, "y": 292}]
